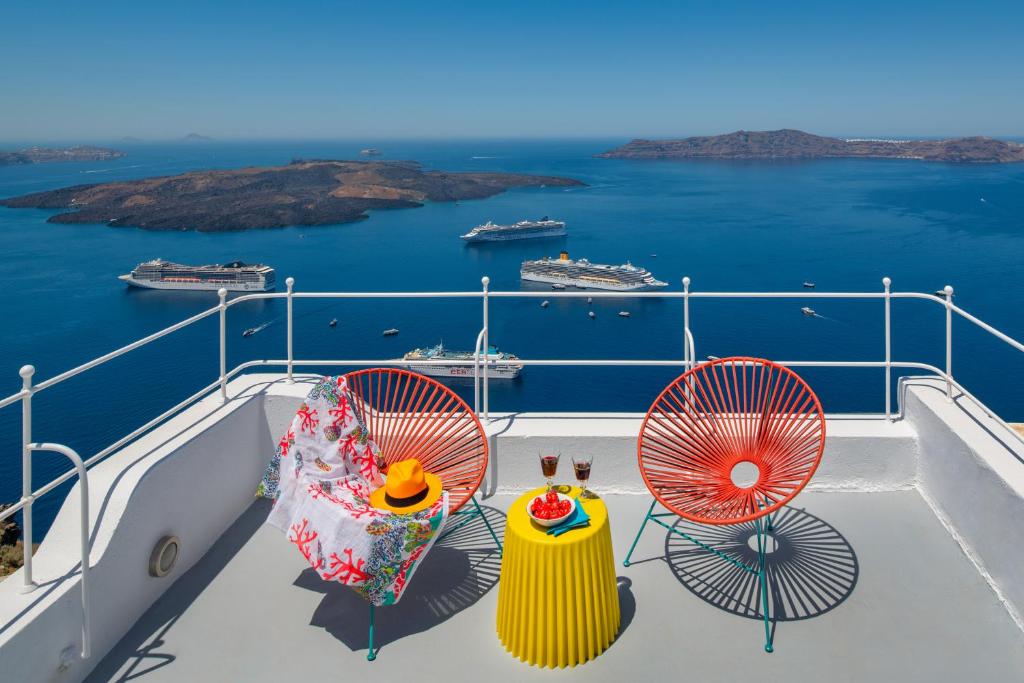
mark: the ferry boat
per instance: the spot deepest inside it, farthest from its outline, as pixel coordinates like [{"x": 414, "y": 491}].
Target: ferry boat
[
  {"x": 586, "y": 275},
  {"x": 504, "y": 368},
  {"x": 491, "y": 232},
  {"x": 234, "y": 277}
]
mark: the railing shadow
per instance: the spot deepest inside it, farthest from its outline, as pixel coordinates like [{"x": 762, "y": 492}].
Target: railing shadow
[
  {"x": 459, "y": 570},
  {"x": 811, "y": 567},
  {"x": 139, "y": 652}
]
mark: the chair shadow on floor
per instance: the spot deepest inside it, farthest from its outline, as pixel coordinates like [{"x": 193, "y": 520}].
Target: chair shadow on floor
[
  {"x": 459, "y": 570},
  {"x": 811, "y": 567}
]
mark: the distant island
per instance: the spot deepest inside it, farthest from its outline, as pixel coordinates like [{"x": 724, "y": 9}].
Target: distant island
[
  {"x": 43, "y": 155},
  {"x": 196, "y": 137},
  {"x": 305, "y": 192},
  {"x": 796, "y": 144}
]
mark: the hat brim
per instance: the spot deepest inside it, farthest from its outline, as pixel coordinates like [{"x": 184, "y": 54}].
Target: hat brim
[{"x": 434, "y": 492}]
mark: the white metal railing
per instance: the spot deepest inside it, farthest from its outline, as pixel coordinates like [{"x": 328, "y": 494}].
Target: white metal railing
[{"x": 481, "y": 362}]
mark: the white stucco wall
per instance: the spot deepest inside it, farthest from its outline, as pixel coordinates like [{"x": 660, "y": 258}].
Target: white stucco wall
[
  {"x": 972, "y": 474},
  {"x": 191, "y": 478}
]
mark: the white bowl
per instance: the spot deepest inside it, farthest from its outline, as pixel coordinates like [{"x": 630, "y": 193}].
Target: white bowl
[{"x": 557, "y": 520}]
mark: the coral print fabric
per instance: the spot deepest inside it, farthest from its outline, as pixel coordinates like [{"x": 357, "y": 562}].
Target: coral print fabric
[{"x": 321, "y": 478}]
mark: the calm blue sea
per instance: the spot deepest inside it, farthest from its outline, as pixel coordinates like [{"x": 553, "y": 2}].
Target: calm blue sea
[{"x": 728, "y": 225}]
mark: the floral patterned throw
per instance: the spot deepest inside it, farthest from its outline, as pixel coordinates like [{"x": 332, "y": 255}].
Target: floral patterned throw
[{"x": 321, "y": 478}]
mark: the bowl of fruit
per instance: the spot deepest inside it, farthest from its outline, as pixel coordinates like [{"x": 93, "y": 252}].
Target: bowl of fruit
[{"x": 550, "y": 508}]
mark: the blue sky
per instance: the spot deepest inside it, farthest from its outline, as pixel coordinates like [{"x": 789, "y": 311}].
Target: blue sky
[{"x": 233, "y": 69}]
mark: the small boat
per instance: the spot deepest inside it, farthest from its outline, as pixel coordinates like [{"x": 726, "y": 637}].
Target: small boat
[
  {"x": 544, "y": 304},
  {"x": 623, "y": 314},
  {"x": 333, "y": 323},
  {"x": 713, "y": 358},
  {"x": 941, "y": 293},
  {"x": 590, "y": 299},
  {"x": 810, "y": 312},
  {"x": 591, "y": 314},
  {"x": 808, "y": 285},
  {"x": 654, "y": 256},
  {"x": 370, "y": 152},
  {"x": 249, "y": 332},
  {"x": 390, "y": 332},
  {"x": 558, "y": 285}
]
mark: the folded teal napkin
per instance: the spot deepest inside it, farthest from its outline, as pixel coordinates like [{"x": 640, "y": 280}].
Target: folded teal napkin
[{"x": 577, "y": 520}]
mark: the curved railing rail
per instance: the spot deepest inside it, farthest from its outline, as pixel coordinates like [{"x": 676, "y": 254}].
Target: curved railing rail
[{"x": 480, "y": 362}]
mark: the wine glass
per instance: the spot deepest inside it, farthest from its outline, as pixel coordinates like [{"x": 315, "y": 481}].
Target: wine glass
[
  {"x": 549, "y": 465},
  {"x": 581, "y": 464}
]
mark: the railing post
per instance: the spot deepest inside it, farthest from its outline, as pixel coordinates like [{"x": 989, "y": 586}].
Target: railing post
[
  {"x": 486, "y": 281},
  {"x": 86, "y": 545},
  {"x": 223, "y": 294},
  {"x": 26, "y": 373},
  {"x": 687, "y": 361},
  {"x": 948, "y": 289},
  {"x": 886, "y": 283},
  {"x": 290, "y": 283}
]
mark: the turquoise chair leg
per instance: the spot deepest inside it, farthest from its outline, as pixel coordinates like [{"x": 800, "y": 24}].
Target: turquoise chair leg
[
  {"x": 371, "y": 653},
  {"x": 480, "y": 511},
  {"x": 762, "y": 575},
  {"x": 625, "y": 563},
  {"x": 467, "y": 516}
]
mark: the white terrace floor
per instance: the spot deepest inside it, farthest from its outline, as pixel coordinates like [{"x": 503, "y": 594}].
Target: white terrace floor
[{"x": 869, "y": 587}]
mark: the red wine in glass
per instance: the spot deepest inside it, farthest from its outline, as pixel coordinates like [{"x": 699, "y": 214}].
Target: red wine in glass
[
  {"x": 581, "y": 465},
  {"x": 548, "y": 466}
]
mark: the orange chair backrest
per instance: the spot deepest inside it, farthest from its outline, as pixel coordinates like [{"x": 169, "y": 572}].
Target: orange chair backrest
[
  {"x": 410, "y": 415},
  {"x": 723, "y": 413}
]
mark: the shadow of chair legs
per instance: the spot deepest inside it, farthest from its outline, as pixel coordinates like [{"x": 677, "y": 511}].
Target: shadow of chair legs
[
  {"x": 460, "y": 569},
  {"x": 811, "y": 568}
]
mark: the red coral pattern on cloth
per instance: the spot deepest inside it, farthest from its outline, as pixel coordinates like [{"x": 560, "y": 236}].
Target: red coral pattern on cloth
[{"x": 321, "y": 500}]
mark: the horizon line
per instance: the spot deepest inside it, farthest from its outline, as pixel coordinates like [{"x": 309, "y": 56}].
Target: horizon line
[{"x": 368, "y": 139}]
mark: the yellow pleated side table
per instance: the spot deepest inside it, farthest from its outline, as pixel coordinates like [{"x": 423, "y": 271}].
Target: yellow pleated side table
[{"x": 558, "y": 601}]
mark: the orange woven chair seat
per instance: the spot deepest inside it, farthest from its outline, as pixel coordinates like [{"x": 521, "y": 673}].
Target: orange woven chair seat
[
  {"x": 721, "y": 414},
  {"x": 413, "y": 416}
]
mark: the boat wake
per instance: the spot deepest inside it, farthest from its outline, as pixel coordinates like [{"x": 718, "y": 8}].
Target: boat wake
[
  {"x": 834, "y": 320},
  {"x": 108, "y": 170}
]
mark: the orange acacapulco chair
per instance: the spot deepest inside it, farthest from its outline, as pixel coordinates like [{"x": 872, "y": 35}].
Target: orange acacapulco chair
[
  {"x": 409, "y": 415},
  {"x": 745, "y": 412}
]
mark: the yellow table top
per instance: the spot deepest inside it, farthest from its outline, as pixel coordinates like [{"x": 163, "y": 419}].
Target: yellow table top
[
  {"x": 558, "y": 599},
  {"x": 518, "y": 521}
]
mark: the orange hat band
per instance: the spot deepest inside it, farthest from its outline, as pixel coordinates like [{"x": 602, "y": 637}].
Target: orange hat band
[{"x": 408, "y": 500}]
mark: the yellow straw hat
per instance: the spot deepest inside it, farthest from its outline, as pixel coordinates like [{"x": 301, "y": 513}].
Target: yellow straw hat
[{"x": 407, "y": 489}]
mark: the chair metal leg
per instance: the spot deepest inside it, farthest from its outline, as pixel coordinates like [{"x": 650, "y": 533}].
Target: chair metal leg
[
  {"x": 762, "y": 575},
  {"x": 480, "y": 511},
  {"x": 625, "y": 563},
  {"x": 371, "y": 654}
]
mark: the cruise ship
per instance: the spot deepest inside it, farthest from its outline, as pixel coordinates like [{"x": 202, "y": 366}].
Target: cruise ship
[
  {"x": 234, "y": 277},
  {"x": 492, "y": 232},
  {"x": 563, "y": 272},
  {"x": 504, "y": 368}
]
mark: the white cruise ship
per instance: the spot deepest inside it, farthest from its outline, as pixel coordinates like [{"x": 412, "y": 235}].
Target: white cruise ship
[
  {"x": 564, "y": 272},
  {"x": 504, "y": 368},
  {"x": 234, "y": 277},
  {"x": 492, "y": 232}
]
